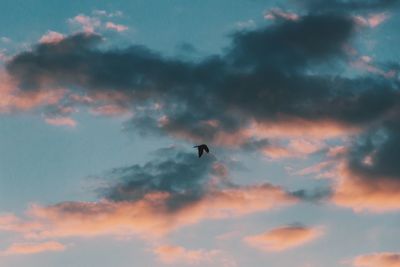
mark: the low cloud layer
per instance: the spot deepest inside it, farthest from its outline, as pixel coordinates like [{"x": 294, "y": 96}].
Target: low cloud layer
[{"x": 151, "y": 201}]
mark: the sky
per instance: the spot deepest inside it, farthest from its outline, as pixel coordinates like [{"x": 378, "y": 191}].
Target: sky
[{"x": 101, "y": 103}]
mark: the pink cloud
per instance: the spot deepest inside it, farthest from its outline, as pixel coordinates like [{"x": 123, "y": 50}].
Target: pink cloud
[
  {"x": 276, "y": 152},
  {"x": 61, "y": 121},
  {"x": 148, "y": 217},
  {"x": 372, "y": 20},
  {"x": 88, "y": 24},
  {"x": 3, "y": 55},
  {"x": 51, "y": 37},
  {"x": 299, "y": 128},
  {"x": 283, "y": 238},
  {"x": 377, "y": 19},
  {"x": 110, "y": 110},
  {"x": 11, "y": 223},
  {"x": 296, "y": 147},
  {"x": 33, "y": 248},
  {"x": 12, "y": 99},
  {"x": 169, "y": 254},
  {"x": 306, "y": 135},
  {"x": 360, "y": 193},
  {"x": 325, "y": 169},
  {"x": 116, "y": 27},
  {"x": 336, "y": 151},
  {"x": 384, "y": 259},
  {"x": 277, "y": 13},
  {"x": 365, "y": 63}
]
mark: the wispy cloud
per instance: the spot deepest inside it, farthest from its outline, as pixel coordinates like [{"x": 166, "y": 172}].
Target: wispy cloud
[
  {"x": 61, "y": 121},
  {"x": 33, "y": 248},
  {"x": 383, "y": 259},
  {"x": 88, "y": 24},
  {"x": 170, "y": 254},
  {"x": 116, "y": 27},
  {"x": 283, "y": 238},
  {"x": 277, "y": 13}
]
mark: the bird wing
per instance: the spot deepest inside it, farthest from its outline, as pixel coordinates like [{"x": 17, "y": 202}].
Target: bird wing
[
  {"x": 206, "y": 149},
  {"x": 200, "y": 152}
]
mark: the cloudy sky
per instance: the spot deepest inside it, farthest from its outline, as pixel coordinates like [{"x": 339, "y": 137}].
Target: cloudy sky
[{"x": 101, "y": 103}]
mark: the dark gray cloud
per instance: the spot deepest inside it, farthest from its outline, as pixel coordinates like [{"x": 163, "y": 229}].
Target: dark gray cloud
[
  {"x": 181, "y": 175},
  {"x": 348, "y": 5},
  {"x": 288, "y": 46},
  {"x": 314, "y": 195},
  {"x": 263, "y": 76},
  {"x": 271, "y": 74},
  {"x": 375, "y": 153}
]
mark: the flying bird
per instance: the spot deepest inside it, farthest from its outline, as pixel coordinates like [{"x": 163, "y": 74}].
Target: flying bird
[{"x": 201, "y": 148}]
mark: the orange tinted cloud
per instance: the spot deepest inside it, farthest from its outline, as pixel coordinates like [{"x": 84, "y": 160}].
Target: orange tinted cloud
[
  {"x": 33, "y": 248},
  {"x": 116, "y": 27},
  {"x": 61, "y": 121},
  {"x": 88, "y": 24},
  {"x": 360, "y": 193},
  {"x": 283, "y": 238},
  {"x": 110, "y": 110},
  {"x": 384, "y": 259},
  {"x": 365, "y": 63},
  {"x": 147, "y": 217},
  {"x": 307, "y": 135},
  {"x": 51, "y": 37},
  {"x": 297, "y": 147},
  {"x": 373, "y": 20},
  {"x": 169, "y": 254},
  {"x": 277, "y": 13},
  {"x": 11, "y": 99}
]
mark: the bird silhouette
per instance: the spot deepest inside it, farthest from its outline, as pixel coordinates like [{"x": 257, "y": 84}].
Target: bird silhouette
[{"x": 201, "y": 149}]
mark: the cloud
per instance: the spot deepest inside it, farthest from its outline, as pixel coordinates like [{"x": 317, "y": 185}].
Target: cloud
[
  {"x": 88, "y": 24},
  {"x": 5, "y": 39},
  {"x": 169, "y": 254},
  {"x": 373, "y": 20},
  {"x": 116, "y": 27},
  {"x": 348, "y": 5},
  {"x": 363, "y": 193},
  {"x": 110, "y": 110},
  {"x": 14, "y": 100},
  {"x": 269, "y": 84},
  {"x": 151, "y": 200},
  {"x": 98, "y": 12},
  {"x": 51, "y": 37},
  {"x": 276, "y": 56},
  {"x": 33, "y": 248},
  {"x": 277, "y": 13},
  {"x": 61, "y": 121},
  {"x": 149, "y": 217},
  {"x": 283, "y": 238},
  {"x": 365, "y": 63},
  {"x": 383, "y": 259},
  {"x": 369, "y": 177},
  {"x": 315, "y": 195}
]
